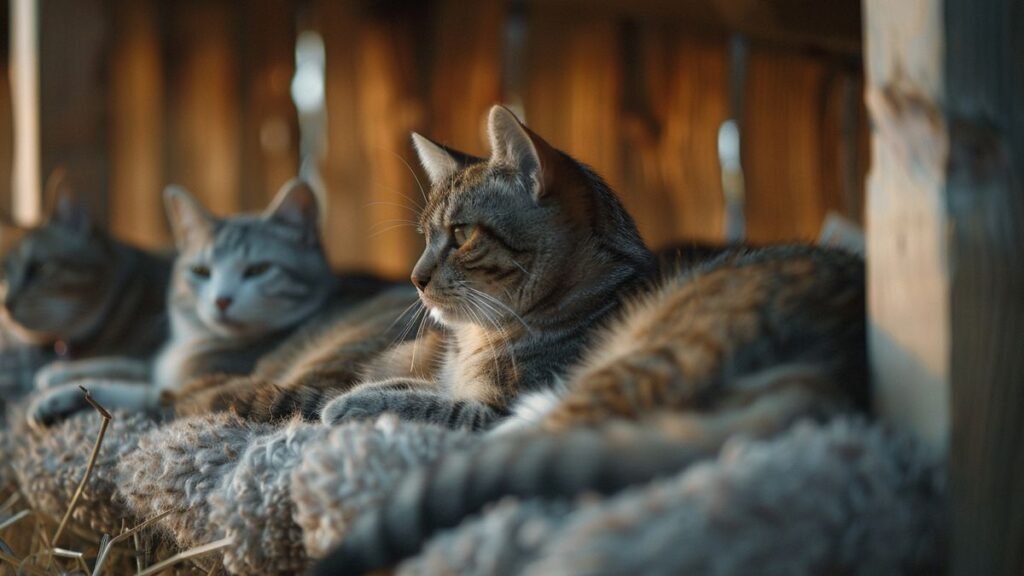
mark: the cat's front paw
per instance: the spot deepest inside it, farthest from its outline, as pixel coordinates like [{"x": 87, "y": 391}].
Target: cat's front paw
[
  {"x": 53, "y": 375},
  {"x": 52, "y": 406},
  {"x": 358, "y": 405}
]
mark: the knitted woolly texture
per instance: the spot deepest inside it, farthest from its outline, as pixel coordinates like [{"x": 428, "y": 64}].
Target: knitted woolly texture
[
  {"x": 8, "y": 481},
  {"x": 50, "y": 465},
  {"x": 855, "y": 498},
  {"x": 253, "y": 505},
  {"x": 501, "y": 542},
  {"x": 355, "y": 467},
  {"x": 179, "y": 466}
]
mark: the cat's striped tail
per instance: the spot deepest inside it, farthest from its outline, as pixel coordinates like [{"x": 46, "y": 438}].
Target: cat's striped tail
[{"x": 534, "y": 465}]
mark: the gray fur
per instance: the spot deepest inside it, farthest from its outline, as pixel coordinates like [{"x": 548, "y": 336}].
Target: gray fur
[
  {"x": 67, "y": 282},
  {"x": 547, "y": 257},
  {"x": 845, "y": 498},
  {"x": 272, "y": 268}
]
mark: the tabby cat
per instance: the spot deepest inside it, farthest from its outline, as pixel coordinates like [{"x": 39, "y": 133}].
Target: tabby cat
[
  {"x": 746, "y": 344},
  {"x": 526, "y": 253},
  {"x": 71, "y": 289}
]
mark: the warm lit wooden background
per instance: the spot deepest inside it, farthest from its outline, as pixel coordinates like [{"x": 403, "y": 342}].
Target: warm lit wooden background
[{"x": 137, "y": 94}]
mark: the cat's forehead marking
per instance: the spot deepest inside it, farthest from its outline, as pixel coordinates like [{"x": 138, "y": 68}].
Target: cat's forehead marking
[{"x": 475, "y": 192}]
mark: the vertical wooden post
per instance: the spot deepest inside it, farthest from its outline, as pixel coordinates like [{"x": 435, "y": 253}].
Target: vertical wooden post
[
  {"x": 137, "y": 123},
  {"x": 908, "y": 292},
  {"x": 984, "y": 70},
  {"x": 73, "y": 102},
  {"x": 204, "y": 112},
  {"x": 945, "y": 240},
  {"x": 25, "y": 178}
]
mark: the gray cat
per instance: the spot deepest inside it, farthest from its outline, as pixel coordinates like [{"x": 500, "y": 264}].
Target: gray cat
[
  {"x": 240, "y": 285},
  {"x": 72, "y": 292},
  {"x": 526, "y": 253}
]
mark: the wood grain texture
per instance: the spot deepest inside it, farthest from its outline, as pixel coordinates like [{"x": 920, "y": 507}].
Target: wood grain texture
[
  {"x": 782, "y": 146},
  {"x": 908, "y": 275},
  {"x": 270, "y": 137},
  {"x": 73, "y": 92},
  {"x": 984, "y": 108},
  {"x": 674, "y": 107},
  {"x": 465, "y": 74},
  {"x": 346, "y": 179},
  {"x": 204, "y": 116},
  {"x": 137, "y": 123}
]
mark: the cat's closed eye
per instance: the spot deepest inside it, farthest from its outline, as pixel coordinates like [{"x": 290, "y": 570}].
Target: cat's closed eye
[
  {"x": 200, "y": 270},
  {"x": 256, "y": 270},
  {"x": 462, "y": 232}
]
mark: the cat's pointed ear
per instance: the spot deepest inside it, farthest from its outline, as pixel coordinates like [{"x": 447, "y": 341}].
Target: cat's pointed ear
[
  {"x": 438, "y": 160},
  {"x": 297, "y": 205},
  {"x": 190, "y": 222},
  {"x": 516, "y": 146},
  {"x": 67, "y": 208}
]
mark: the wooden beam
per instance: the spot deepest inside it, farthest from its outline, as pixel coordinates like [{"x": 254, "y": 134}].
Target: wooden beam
[
  {"x": 270, "y": 131},
  {"x": 24, "y": 66},
  {"x": 204, "y": 112},
  {"x": 945, "y": 90},
  {"x": 831, "y": 26},
  {"x": 908, "y": 292},
  {"x": 73, "y": 96},
  {"x": 137, "y": 125},
  {"x": 984, "y": 86}
]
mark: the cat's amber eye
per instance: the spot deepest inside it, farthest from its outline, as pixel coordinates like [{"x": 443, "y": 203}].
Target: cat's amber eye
[
  {"x": 200, "y": 270},
  {"x": 462, "y": 233},
  {"x": 255, "y": 270}
]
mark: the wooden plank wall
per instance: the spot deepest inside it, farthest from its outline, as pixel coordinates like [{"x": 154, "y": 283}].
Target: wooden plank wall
[{"x": 197, "y": 94}]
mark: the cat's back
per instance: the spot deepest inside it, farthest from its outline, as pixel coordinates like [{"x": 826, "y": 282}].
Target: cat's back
[{"x": 748, "y": 309}]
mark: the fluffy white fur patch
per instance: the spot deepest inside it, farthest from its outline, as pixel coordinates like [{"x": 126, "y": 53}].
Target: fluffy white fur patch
[{"x": 530, "y": 409}]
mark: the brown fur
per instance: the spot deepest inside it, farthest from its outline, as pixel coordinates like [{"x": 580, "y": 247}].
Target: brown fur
[
  {"x": 321, "y": 362},
  {"x": 699, "y": 342}
]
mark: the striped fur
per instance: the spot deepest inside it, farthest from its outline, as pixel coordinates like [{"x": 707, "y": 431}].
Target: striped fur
[
  {"x": 67, "y": 284},
  {"x": 526, "y": 254},
  {"x": 746, "y": 344}
]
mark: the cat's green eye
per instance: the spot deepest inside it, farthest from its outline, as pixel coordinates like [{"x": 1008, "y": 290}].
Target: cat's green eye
[
  {"x": 256, "y": 270},
  {"x": 462, "y": 233},
  {"x": 200, "y": 270}
]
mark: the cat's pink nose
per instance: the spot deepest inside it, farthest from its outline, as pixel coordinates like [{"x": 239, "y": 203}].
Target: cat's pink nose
[
  {"x": 420, "y": 280},
  {"x": 223, "y": 303}
]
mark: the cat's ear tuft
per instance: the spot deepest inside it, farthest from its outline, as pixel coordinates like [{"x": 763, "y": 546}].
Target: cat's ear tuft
[
  {"x": 67, "y": 208},
  {"x": 440, "y": 162},
  {"x": 296, "y": 204},
  {"x": 190, "y": 222},
  {"x": 515, "y": 146}
]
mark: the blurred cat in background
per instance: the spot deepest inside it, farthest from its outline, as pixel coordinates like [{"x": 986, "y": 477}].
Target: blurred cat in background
[{"x": 71, "y": 291}]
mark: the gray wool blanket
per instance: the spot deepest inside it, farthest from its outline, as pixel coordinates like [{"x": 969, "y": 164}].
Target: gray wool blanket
[
  {"x": 851, "y": 495},
  {"x": 280, "y": 494},
  {"x": 845, "y": 498}
]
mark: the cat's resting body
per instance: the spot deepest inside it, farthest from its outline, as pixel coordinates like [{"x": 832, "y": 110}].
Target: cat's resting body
[
  {"x": 240, "y": 287},
  {"x": 527, "y": 254},
  {"x": 746, "y": 344},
  {"x": 72, "y": 292}
]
